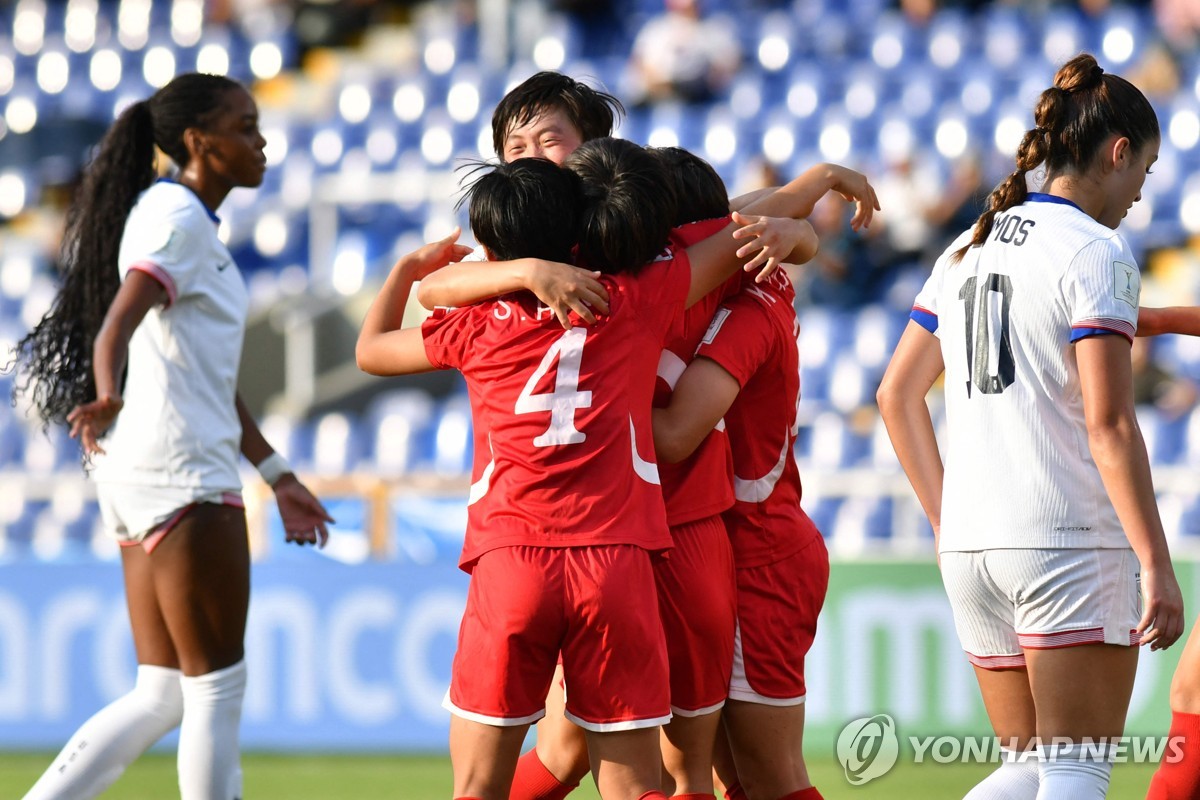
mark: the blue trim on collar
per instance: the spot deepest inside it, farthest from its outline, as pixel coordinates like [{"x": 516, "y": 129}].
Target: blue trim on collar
[
  {"x": 1042, "y": 197},
  {"x": 207, "y": 210}
]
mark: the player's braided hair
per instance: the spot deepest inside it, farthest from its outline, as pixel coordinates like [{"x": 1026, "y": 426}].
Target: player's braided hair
[
  {"x": 1072, "y": 119},
  {"x": 54, "y": 360},
  {"x": 590, "y": 110}
]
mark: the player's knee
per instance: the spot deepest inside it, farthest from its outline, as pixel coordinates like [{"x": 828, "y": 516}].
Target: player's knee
[
  {"x": 564, "y": 752},
  {"x": 1185, "y": 692}
]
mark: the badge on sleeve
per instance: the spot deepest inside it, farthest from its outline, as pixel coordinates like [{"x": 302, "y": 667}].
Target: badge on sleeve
[
  {"x": 1127, "y": 282},
  {"x": 714, "y": 326}
]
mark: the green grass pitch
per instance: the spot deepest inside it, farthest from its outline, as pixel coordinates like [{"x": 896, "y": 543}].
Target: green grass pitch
[{"x": 427, "y": 777}]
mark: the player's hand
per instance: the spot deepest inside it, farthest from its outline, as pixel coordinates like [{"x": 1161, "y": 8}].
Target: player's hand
[
  {"x": 1162, "y": 620},
  {"x": 772, "y": 241},
  {"x": 435, "y": 255},
  {"x": 564, "y": 288},
  {"x": 89, "y": 421},
  {"x": 855, "y": 188},
  {"x": 304, "y": 518}
]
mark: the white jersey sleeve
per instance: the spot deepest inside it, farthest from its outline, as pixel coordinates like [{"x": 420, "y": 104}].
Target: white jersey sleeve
[
  {"x": 161, "y": 238},
  {"x": 1102, "y": 289},
  {"x": 925, "y": 308}
]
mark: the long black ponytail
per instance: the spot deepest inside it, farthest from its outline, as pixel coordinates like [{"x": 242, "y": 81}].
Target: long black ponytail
[{"x": 54, "y": 360}]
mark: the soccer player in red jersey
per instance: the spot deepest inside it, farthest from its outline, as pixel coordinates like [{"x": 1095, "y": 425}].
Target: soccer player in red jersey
[
  {"x": 576, "y": 500},
  {"x": 746, "y": 373},
  {"x": 696, "y": 614}
]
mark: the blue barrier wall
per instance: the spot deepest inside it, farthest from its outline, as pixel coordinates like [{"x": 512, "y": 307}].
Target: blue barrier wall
[{"x": 341, "y": 657}]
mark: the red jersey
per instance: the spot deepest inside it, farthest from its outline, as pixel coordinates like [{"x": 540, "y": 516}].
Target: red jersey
[
  {"x": 567, "y": 413},
  {"x": 702, "y": 484},
  {"x": 753, "y": 337}
]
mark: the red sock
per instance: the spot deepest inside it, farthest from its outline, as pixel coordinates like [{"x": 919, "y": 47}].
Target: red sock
[
  {"x": 534, "y": 782},
  {"x": 1180, "y": 779},
  {"x": 734, "y": 791},
  {"x": 654, "y": 794},
  {"x": 691, "y": 796},
  {"x": 810, "y": 793}
]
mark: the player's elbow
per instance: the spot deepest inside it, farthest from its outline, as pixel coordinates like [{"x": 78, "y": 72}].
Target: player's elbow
[
  {"x": 888, "y": 398},
  {"x": 672, "y": 443},
  {"x": 427, "y": 294},
  {"x": 364, "y": 356}
]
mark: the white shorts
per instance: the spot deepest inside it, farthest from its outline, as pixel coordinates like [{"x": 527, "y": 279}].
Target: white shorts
[
  {"x": 1008, "y": 601},
  {"x": 131, "y": 512}
]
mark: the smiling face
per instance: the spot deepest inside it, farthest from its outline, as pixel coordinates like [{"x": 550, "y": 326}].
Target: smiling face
[
  {"x": 1124, "y": 183},
  {"x": 548, "y": 135}
]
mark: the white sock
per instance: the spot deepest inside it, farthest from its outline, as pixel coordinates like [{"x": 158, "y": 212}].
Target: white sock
[
  {"x": 1069, "y": 772},
  {"x": 106, "y": 744},
  {"x": 1015, "y": 779},
  {"x": 208, "y": 739}
]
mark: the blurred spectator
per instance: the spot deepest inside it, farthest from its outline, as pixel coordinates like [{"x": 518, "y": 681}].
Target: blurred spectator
[
  {"x": 1171, "y": 394},
  {"x": 843, "y": 274},
  {"x": 683, "y": 55},
  {"x": 1179, "y": 23},
  {"x": 1156, "y": 72},
  {"x": 758, "y": 173},
  {"x": 909, "y": 192}
]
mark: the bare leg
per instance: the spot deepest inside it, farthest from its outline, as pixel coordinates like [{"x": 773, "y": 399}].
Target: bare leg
[
  {"x": 687, "y": 752},
  {"x": 767, "y": 744},
  {"x": 561, "y": 744},
  {"x": 1101, "y": 681},
  {"x": 1009, "y": 704},
  {"x": 484, "y": 757},
  {"x": 201, "y": 574},
  {"x": 626, "y": 764},
  {"x": 1100, "y": 678}
]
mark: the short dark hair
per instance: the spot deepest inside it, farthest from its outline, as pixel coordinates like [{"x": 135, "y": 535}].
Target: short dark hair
[
  {"x": 627, "y": 205},
  {"x": 590, "y": 110},
  {"x": 699, "y": 191},
  {"x": 525, "y": 209}
]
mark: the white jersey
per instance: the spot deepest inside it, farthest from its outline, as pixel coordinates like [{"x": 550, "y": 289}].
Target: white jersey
[
  {"x": 179, "y": 427},
  {"x": 1019, "y": 472}
]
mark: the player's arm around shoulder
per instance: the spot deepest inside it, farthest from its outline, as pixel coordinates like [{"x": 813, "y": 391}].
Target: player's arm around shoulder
[
  {"x": 384, "y": 346},
  {"x": 560, "y": 287}
]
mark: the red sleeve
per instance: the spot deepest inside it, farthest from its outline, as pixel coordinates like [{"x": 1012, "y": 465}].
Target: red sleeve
[
  {"x": 740, "y": 338},
  {"x": 660, "y": 291},
  {"x": 447, "y": 334}
]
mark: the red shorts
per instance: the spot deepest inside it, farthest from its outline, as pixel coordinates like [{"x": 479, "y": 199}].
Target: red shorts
[
  {"x": 696, "y": 597},
  {"x": 595, "y": 604},
  {"x": 777, "y": 609}
]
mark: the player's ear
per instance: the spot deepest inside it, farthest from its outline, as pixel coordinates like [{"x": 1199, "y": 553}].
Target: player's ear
[{"x": 1119, "y": 154}]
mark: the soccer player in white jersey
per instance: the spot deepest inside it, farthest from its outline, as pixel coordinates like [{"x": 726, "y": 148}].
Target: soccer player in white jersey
[
  {"x": 1049, "y": 539},
  {"x": 150, "y": 287}
]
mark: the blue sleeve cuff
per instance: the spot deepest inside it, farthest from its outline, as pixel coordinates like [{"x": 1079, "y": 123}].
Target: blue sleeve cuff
[
  {"x": 926, "y": 319},
  {"x": 1085, "y": 332}
]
